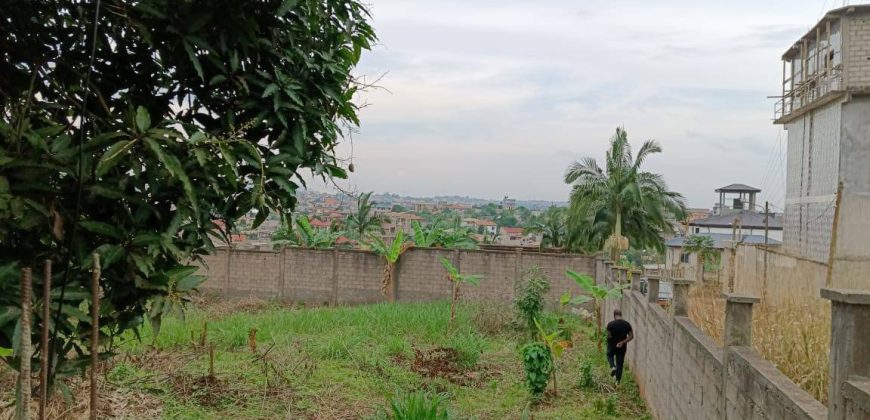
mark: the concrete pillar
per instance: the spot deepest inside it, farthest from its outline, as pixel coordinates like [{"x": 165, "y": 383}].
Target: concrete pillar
[
  {"x": 681, "y": 296},
  {"x": 635, "y": 280},
  {"x": 621, "y": 275},
  {"x": 652, "y": 288},
  {"x": 738, "y": 319},
  {"x": 850, "y": 350},
  {"x": 608, "y": 272}
]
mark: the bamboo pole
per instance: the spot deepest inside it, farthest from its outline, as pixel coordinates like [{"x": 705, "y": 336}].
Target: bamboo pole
[
  {"x": 95, "y": 332},
  {"x": 46, "y": 316},
  {"x": 25, "y": 349}
]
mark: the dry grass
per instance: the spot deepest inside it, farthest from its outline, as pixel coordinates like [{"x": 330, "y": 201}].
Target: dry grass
[{"x": 794, "y": 336}]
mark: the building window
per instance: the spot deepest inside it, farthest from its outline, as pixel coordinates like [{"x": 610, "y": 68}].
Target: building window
[{"x": 684, "y": 257}]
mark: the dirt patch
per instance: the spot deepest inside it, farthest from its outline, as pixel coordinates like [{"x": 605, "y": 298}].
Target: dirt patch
[{"x": 443, "y": 362}]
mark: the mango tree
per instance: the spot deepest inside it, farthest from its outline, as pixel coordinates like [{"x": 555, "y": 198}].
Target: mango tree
[
  {"x": 142, "y": 130},
  {"x": 456, "y": 279}
]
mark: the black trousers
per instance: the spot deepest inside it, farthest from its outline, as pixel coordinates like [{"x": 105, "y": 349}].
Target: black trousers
[{"x": 616, "y": 358}]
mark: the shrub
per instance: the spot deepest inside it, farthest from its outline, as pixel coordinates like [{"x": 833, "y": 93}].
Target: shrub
[
  {"x": 538, "y": 363},
  {"x": 586, "y": 377},
  {"x": 530, "y": 303},
  {"x": 419, "y": 405}
]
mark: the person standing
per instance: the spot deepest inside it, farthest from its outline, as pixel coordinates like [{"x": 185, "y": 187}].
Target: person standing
[{"x": 619, "y": 333}]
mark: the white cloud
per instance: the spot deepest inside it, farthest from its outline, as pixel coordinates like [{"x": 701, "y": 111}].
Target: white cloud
[{"x": 492, "y": 98}]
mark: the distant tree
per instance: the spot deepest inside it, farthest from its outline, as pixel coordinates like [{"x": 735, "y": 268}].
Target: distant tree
[
  {"x": 363, "y": 220},
  {"x": 702, "y": 246},
  {"x": 621, "y": 203},
  {"x": 552, "y": 226},
  {"x": 506, "y": 218},
  {"x": 398, "y": 208}
]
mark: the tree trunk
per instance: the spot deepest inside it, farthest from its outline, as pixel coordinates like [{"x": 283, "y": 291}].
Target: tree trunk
[{"x": 617, "y": 234}]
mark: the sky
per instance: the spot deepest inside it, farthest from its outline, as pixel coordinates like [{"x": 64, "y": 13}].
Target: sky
[{"x": 496, "y": 98}]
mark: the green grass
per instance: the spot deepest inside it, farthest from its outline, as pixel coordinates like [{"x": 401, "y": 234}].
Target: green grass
[{"x": 348, "y": 362}]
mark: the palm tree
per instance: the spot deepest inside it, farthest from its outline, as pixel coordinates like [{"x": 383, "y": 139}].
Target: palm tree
[
  {"x": 552, "y": 226},
  {"x": 390, "y": 253},
  {"x": 621, "y": 202},
  {"x": 363, "y": 220}
]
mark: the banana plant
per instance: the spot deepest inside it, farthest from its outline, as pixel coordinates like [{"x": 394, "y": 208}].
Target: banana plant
[
  {"x": 596, "y": 293},
  {"x": 557, "y": 345},
  {"x": 304, "y": 235},
  {"x": 424, "y": 237},
  {"x": 390, "y": 254},
  {"x": 456, "y": 278}
]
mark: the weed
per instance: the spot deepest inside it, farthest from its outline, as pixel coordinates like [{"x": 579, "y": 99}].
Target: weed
[
  {"x": 587, "y": 379},
  {"x": 468, "y": 346},
  {"x": 419, "y": 405},
  {"x": 606, "y": 405}
]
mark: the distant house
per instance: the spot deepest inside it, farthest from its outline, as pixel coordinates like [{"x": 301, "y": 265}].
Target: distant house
[
  {"x": 481, "y": 225},
  {"x": 735, "y": 218},
  {"x": 738, "y": 213},
  {"x": 319, "y": 224},
  {"x": 403, "y": 221},
  {"x": 508, "y": 203},
  {"x": 516, "y": 236}
]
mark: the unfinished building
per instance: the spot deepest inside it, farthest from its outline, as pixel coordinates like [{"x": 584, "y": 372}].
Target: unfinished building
[{"x": 825, "y": 107}]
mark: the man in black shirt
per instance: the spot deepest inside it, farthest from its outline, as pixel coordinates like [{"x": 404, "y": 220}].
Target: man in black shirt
[{"x": 618, "y": 335}]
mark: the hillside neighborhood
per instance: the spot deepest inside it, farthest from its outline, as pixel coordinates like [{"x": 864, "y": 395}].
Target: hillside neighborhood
[{"x": 200, "y": 214}]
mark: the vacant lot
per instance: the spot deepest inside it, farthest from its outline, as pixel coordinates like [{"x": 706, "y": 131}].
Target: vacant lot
[{"x": 272, "y": 361}]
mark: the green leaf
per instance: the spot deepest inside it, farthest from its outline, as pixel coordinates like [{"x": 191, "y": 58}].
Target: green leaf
[
  {"x": 101, "y": 228},
  {"x": 8, "y": 313},
  {"x": 4, "y": 352},
  {"x": 113, "y": 155},
  {"x": 181, "y": 272},
  {"x": 193, "y": 59},
  {"x": 189, "y": 283},
  {"x": 143, "y": 119},
  {"x": 217, "y": 79},
  {"x": 581, "y": 299},
  {"x": 286, "y": 6},
  {"x": 270, "y": 89},
  {"x": 173, "y": 165}
]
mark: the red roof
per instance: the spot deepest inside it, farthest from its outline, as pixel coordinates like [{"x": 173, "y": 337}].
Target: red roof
[
  {"x": 512, "y": 230},
  {"x": 485, "y": 223},
  {"x": 319, "y": 224},
  {"x": 344, "y": 240},
  {"x": 238, "y": 238}
]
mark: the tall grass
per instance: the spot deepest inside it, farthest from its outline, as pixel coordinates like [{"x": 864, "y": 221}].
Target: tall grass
[{"x": 794, "y": 335}]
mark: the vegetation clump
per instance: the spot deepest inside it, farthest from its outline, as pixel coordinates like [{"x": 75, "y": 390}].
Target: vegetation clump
[{"x": 530, "y": 300}]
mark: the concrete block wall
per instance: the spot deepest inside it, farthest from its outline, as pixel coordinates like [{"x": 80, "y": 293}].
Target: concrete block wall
[
  {"x": 354, "y": 276},
  {"x": 421, "y": 277},
  {"x": 857, "y": 60},
  {"x": 679, "y": 370}
]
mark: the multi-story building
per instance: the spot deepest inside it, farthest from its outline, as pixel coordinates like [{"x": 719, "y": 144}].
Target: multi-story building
[{"x": 825, "y": 107}]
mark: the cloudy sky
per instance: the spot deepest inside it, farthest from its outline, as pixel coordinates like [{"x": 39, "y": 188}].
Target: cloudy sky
[{"x": 491, "y": 98}]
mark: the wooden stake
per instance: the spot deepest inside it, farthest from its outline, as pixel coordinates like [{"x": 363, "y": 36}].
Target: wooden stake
[
  {"x": 95, "y": 332},
  {"x": 24, "y": 373},
  {"x": 211, "y": 361},
  {"x": 832, "y": 251},
  {"x": 46, "y": 316}
]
